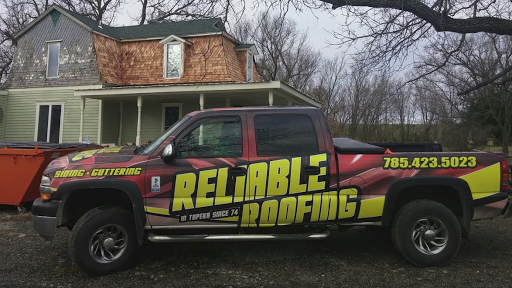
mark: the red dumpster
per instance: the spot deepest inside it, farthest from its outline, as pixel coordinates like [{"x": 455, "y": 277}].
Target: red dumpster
[{"x": 22, "y": 165}]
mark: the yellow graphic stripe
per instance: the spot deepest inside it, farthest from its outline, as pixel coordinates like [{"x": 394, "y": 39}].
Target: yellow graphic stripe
[
  {"x": 484, "y": 182},
  {"x": 154, "y": 210},
  {"x": 371, "y": 207}
]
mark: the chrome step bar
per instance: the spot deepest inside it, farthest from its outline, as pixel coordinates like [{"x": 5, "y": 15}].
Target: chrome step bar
[{"x": 236, "y": 237}]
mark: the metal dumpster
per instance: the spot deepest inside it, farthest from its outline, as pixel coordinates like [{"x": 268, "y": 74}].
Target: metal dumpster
[{"x": 22, "y": 165}]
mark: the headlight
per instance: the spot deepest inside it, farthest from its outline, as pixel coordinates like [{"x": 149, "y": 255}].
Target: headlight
[{"x": 45, "y": 181}]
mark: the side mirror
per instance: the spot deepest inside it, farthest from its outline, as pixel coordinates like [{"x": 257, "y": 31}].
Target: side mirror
[{"x": 168, "y": 153}]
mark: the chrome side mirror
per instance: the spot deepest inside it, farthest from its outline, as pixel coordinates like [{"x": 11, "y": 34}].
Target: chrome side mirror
[{"x": 168, "y": 153}]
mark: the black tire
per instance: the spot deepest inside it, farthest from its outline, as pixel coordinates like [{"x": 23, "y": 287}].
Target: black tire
[
  {"x": 410, "y": 234},
  {"x": 94, "y": 235}
]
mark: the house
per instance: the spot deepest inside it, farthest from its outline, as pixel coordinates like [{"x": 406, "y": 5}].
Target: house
[{"x": 73, "y": 79}]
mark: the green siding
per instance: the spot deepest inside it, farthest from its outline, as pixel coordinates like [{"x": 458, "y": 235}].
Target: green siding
[
  {"x": 151, "y": 122},
  {"x": 110, "y": 125},
  {"x": 129, "y": 123},
  {"x": 3, "y": 110},
  {"x": 21, "y": 114}
]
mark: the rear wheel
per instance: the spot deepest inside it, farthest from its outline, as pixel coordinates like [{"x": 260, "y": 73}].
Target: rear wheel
[
  {"x": 426, "y": 233},
  {"x": 103, "y": 240}
]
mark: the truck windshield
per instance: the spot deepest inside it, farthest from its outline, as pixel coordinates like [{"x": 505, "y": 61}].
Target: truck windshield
[{"x": 158, "y": 141}]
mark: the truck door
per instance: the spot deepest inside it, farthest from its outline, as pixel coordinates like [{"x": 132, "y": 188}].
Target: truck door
[
  {"x": 288, "y": 176},
  {"x": 199, "y": 186}
]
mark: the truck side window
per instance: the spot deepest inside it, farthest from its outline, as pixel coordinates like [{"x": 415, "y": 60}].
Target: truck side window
[
  {"x": 219, "y": 137},
  {"x": 285, "y": 135}
]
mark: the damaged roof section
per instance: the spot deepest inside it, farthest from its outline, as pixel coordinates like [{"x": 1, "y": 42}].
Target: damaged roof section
[{"x": 152, "y": 30}]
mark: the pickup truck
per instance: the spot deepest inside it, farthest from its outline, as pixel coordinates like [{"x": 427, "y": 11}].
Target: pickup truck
[{"x": 263, "y": 173}]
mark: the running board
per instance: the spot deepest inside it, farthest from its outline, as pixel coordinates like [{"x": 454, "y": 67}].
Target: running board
[{"x": 236, "y": 237}]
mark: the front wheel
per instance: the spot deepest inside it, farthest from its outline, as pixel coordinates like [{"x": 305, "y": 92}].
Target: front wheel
[
  {"x": 103, "y": 240},
  {"x": 426, "y": 233}
]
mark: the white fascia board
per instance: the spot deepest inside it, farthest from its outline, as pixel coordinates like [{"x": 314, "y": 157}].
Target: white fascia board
[
  {"x": 290, "y": 90},
  {"x": 195, "y": 89},
  {"x": 174, "y": 38},
  {"x": 192, "y": 89}
]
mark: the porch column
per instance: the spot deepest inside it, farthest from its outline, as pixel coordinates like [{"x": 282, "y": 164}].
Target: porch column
[
  {"x": 139, "y": 119},
  {"x": 271, "y": 98},
  {"x": 100, "y": 122},
  {"x": 82, "y": 108},
  {"x": 289, "y": 102},
  {"x": 120, "y": 124},
  {"x": 201, "y": 101},
  {"x": 228, "y": 102}
]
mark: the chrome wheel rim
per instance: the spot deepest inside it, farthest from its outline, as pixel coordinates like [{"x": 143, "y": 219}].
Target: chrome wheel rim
[
  {"x": 108, "y": 243},
  {"x": 429, "y": 235}
]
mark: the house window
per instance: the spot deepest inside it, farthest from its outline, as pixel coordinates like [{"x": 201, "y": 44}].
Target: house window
[
  {"x": 171, "y": 114},
  {"x": 173, "y": 60},
  {"x": 49, "y": 123},
  {"x": 249, "y": 67},
  {"x": 52, "y": 69}
]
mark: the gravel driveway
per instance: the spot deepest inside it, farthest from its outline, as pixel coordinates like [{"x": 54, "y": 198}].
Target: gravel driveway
[{"x": 360, "y": 257}]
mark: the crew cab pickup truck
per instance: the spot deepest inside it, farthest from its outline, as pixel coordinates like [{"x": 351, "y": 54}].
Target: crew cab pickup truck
[{"x": 262, "y": 174}]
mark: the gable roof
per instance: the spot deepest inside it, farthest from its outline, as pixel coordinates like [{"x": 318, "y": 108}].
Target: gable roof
[{"x": 152, "y": 30}]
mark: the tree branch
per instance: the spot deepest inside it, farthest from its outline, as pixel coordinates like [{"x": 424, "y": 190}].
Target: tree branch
[{"x": 440, "y": 21}]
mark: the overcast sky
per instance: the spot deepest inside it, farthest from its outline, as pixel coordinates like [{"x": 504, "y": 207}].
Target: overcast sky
[{"x": 318, "y": 24}]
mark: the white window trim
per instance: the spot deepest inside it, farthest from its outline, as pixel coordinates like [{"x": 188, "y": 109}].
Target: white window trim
[
  {"x": 48, "y": 58},
  {"x": 182, "y": 68},
  {"x": 38, "y": 104},
  {"x": 164, "y": 105},
  {"x": 249, "y": 55}
]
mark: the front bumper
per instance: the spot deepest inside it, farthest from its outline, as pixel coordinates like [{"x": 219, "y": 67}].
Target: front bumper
[{"x": 44, "y": 217}]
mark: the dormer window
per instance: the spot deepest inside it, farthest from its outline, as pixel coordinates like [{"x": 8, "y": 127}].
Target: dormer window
[
  {"x": 249, "y": 66},
  {"x": 174, "y": 56},
  {"x": 52, "y": 65},
  {"x": 249, "y": 50},
  {"x": 173, "y": 60}
]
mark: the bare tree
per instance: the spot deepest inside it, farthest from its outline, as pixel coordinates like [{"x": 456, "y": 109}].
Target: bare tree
[
  {"x": 285, "y": 52},
  {"x": 392, "y": 32},
  {"x": 481, "y": 58},
  {"x": 329, "y": 89},
  {"x": 103, "y": 11},
  {"x": 403, "y": 112},
  {"x": 163, "y": 10}
]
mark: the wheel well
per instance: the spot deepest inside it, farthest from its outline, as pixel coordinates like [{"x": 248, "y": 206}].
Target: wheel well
[
  {"x": 445, "y": 195},
  {"x": 78, "y": 202}
]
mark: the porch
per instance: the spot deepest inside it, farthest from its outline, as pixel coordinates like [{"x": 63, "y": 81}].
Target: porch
[{"x": 135, "y": 115}]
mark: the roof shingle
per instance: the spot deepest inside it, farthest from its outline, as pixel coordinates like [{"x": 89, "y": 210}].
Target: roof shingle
[{"x": 153, "y": 30}]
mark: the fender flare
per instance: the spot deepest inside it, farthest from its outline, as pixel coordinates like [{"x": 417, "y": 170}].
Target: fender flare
[
  {"x": 459, "y": 185},
  {"x": 129, "y": 187}
]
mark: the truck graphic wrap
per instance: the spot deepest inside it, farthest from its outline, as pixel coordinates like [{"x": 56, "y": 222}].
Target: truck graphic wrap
[{"x": 238, "y": 174}]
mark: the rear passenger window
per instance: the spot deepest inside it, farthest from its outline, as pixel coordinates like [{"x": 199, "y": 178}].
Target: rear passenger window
[{"x": 285, "y": 135}]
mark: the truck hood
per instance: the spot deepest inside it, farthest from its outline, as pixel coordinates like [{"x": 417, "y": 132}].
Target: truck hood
[{"x": 93, "y": 157}]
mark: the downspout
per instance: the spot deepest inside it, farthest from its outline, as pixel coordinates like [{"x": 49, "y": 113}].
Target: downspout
[{"x": 5, "y": 114}]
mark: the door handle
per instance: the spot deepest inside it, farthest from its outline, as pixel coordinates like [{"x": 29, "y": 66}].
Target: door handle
[
  {"x": 238, "y": 171},
  {"x": 311, "y": 170}
]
